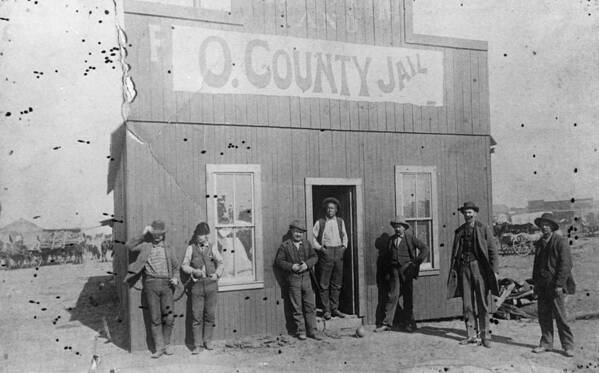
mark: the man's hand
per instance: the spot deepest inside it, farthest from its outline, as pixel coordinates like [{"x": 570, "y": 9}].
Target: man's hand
[
  {"x": 198, "y": 273},
  {"x": 214, "y": 276},
  {"x": 303, "y": 267},
  {"x": 295, "y": 268},
  {"x": 174, "y": 281},
  {"x": 559, "y": 291}
]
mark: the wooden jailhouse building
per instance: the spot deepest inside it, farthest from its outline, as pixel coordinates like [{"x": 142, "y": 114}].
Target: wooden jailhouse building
[{"x": 249, "y": 112}]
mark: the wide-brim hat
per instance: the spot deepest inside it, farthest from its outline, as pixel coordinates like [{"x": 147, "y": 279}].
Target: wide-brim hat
[
  {"x": 297, "y": 224},
  {"x": 328, "y": 200},
  {"x": 400, "y": 220},
  {"x": 468, "y": 206},
  {"x": 547, "y": 217},
  {"x": 158, "y": 227}
]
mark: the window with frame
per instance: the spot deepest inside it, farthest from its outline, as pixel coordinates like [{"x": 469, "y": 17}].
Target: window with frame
[
  {"x": 234, "y": 212},
  {"x": 416, "y": 200}
]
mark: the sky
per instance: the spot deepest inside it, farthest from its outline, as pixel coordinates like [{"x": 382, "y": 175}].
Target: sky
[{"x": 543, "y": 66}]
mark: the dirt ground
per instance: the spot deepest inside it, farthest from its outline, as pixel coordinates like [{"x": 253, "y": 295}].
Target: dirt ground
[{"x": 54, "y": 318}]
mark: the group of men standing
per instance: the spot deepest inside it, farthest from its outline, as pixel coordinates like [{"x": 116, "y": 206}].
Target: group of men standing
[{"x": 472, "y": 276}]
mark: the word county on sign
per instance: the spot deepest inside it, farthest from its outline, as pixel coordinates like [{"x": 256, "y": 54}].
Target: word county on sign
[{"x": 225, "y": 62}]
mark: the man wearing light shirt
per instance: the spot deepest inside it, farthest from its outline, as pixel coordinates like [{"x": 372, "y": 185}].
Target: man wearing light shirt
[
  {"x": 330, "y": 241},
  {"x": 204, "y": 264}
]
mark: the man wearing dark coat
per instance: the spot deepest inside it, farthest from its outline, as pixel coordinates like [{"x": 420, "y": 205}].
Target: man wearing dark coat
[
  {"x": 473, "y": 274},
  {"x": 401, "y": 263},
  {"x": 552, "y": 278},
  {"x": 297, "y": 258}
]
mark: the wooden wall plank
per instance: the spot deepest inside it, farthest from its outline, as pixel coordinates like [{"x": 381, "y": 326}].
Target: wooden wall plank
[
  {"x": 484, "y": 108},
  {"x": 477, "y": 127},
  {"x": 467, "y": 90}
]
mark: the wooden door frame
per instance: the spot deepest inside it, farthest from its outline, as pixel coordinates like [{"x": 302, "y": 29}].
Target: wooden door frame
[{"x": 357, "y": 183}]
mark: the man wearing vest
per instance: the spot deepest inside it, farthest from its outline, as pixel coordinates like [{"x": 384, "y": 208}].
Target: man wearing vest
[
  {"x": 401, "y": 265},
  {"x": 297, "y": 258},
  {"x": 552, "y": 278},
  {"x": 330, "y": 241},
  {"x": 204, "y": 265},
  {"x": 474, "y": 261},
  {"x": 157, "y": 265}
]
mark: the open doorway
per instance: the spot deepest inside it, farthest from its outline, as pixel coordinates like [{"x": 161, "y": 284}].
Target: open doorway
[{"x": 349, "y": 194}]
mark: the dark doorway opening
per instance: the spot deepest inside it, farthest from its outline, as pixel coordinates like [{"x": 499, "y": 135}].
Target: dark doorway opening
[{"x": 346, "y": 194}]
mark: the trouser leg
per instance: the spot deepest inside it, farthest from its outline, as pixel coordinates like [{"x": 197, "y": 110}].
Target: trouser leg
[
  {"x": 392, "y": 297},
  {"x": 468, "y": 300},
  {"x": 480, "y": 293},
  {"x": 295, "y": 299},
  {"x": 168, "y": 312},
  {"x": 565, "y": 332},
  {"x": 152, "y": 294},
  {"x": 407, "y": 287},
  {"x": 545, "y": 312},
  {"x": 325, "y": 269},
  {"x": 197, "y": 310},
  {"x": 210, "y": 310},
  {"x": 336, "y": 279},
  {"x": 309, "y": 304}
]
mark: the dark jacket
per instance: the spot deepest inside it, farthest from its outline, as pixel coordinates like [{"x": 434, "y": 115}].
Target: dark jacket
[
  {"x": 413, "y": 243},
  {"x": 143, "y": 248},
  {"x": 553, "y": 264},
  {"x": 288, "y": 255},
  {"x": 486, "y": 253}
]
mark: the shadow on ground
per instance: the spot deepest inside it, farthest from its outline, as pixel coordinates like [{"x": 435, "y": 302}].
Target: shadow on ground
[
  {"x": 97, "y": 308},
  {"x": 457, "y": 335}
]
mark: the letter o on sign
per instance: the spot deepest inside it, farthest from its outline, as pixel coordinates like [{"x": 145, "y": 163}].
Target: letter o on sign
[
  {"x": 210, "y": 77},
  {"x": 283, "y": 82}
]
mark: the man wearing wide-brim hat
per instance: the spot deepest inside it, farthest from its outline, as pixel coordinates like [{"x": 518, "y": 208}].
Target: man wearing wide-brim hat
[
  {"x": 401, "y": 263},
  {"x": 297, "y": 258},
  {"x": 552, "y": 278},
  {"x": 157, "y": 267},
  {"x": 473, "y": 274},
  {"x": 330, "y": 241}
]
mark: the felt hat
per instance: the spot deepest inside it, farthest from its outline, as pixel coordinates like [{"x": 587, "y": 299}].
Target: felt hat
[
  {"x": 468, "y": 206},
  {"x": 158, "y": 227},
  {"x": 328, "y": 200},
  {"x": 547, "y": 217},
  {"x": 297, "y": 224},
  {"x": 202, "y": 229},
  {"x": 400, "y": 220}
]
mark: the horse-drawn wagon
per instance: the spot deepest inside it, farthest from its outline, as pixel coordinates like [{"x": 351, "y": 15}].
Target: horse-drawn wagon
[{"x": 516, "y": 239}]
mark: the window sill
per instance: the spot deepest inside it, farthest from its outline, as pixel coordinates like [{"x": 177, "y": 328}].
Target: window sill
[
  {"x": 429, "y": 272},
  {"x": 234, "y": 287}
]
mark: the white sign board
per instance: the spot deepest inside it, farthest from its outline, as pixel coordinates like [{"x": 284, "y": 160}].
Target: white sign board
[{"x": 226, "y": 62}]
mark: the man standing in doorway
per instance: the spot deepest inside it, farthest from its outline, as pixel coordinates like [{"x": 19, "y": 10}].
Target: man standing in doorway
[
  {"x": 473, "y": 273},
  {"x": 330, "y": 241},
  {"x": 402, "y": 264},
  {"x": 552, "y": 278},
  {"x": 157, "y": 266}
]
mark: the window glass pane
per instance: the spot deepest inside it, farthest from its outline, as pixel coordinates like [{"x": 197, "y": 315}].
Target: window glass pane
[
  {"x": 424, "y": 195},
  {"x": 409, "y": 195},
  {"x": 237, "y": 248},
  {"x": 243, "y": 199},
  {"x": 423, "y": 232},
  {"x": 225, "y": 199}
]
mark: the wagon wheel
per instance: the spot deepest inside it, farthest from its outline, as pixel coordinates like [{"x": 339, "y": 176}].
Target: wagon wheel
[{"x": 522, "y": 245}]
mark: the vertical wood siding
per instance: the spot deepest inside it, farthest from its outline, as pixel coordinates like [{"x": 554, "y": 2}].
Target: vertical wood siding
[
  {"x": 171, "y": 136},
  {"x": 372, "y": 22},
  {"x": 166, "y": 180}
]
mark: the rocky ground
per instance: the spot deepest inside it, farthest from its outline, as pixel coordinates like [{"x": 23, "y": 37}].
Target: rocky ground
[{"x": 53, "y": 319}]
